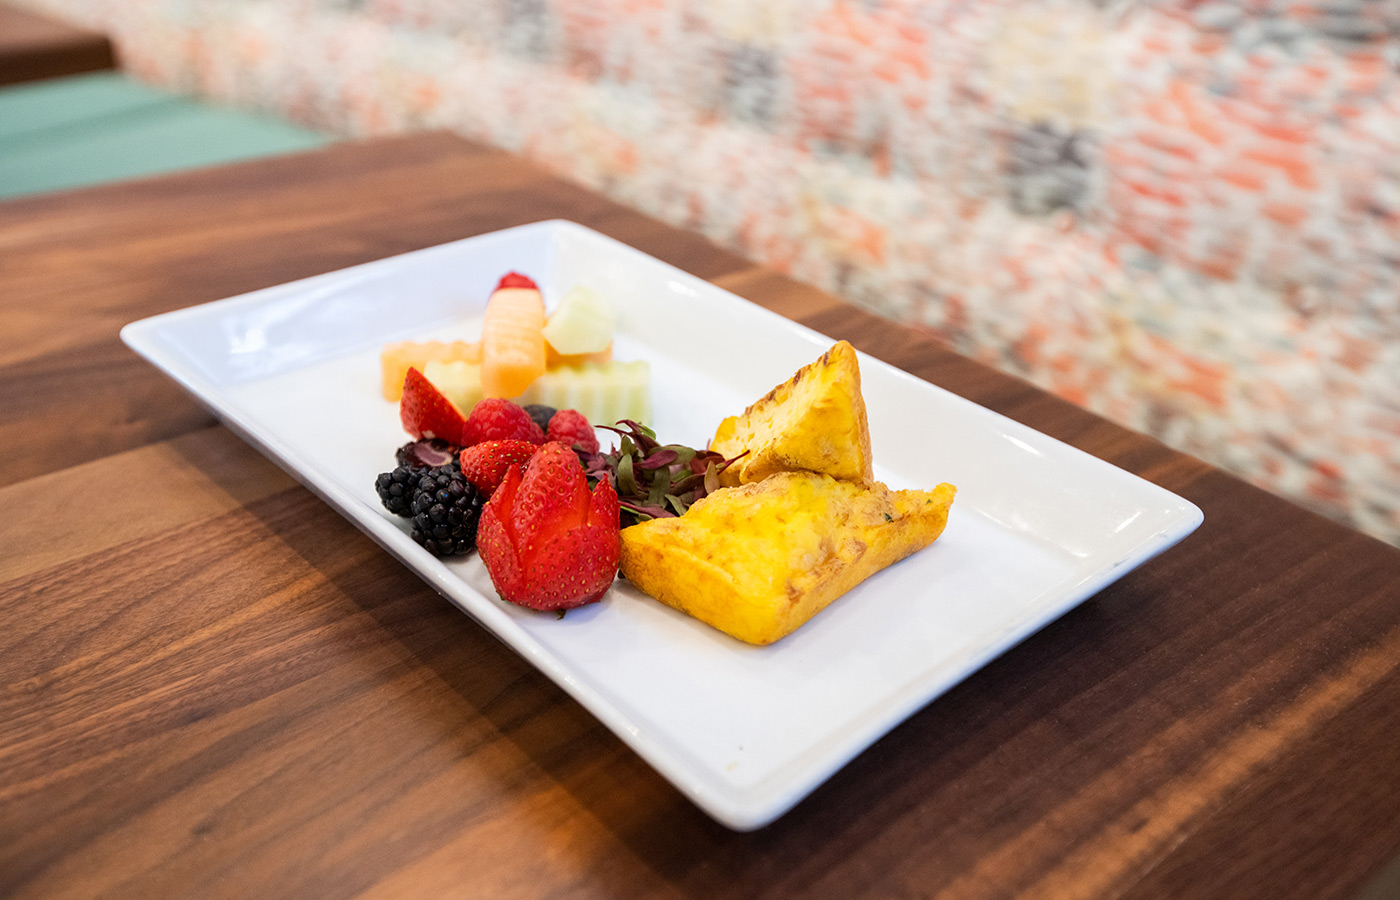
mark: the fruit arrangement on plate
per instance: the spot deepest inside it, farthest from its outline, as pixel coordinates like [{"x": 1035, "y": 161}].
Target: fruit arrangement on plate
[
  {"x": 564, "y": 360},
  {"x": 753, "y": 535}
]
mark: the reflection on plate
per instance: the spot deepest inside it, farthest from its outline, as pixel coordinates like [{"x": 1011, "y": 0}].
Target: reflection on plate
[{"x": 745, "y": 732}]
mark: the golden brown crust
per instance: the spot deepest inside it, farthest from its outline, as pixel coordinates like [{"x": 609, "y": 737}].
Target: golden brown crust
[
  {"x": 815, "y": 421},
  {"x": 757, "y": 561}
]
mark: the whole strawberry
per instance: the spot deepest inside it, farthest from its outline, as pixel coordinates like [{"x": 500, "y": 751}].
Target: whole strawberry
[
  {"x": 495, "y": 419},
  {"x": 548, "y": 543},
  {"x": 485, "y": 464},
  {"x": 571, "y": 428}
]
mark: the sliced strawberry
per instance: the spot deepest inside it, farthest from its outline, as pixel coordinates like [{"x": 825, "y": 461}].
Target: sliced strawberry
[
  {"x": 553, "y": 494},
  {"x": 509, "y": 490},
  {"x": 571, "y": 568},
  {"x": 576, "y": 566},
  {"x": 427, "y": 413},
  {"x": 496, "y": 541},
  {"x": 603, "y": 507},
  {"x": 485, "y": 464},
  {"x": 546, "y": 541}
]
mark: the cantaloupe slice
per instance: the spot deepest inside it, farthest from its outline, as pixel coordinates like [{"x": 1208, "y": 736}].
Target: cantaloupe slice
[
  {"x": 396, "y": 359},
  {"x": 512, "y": 345}
]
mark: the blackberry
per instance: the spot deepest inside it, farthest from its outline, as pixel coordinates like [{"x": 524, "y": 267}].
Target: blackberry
[
  {"x": 446, "y": 509},
  {"x": 541, "y": 414},
  {"x": 396, "y": 489}
]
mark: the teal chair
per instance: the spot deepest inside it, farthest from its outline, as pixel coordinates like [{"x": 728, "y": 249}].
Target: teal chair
[{"x": 86, "y": 129}]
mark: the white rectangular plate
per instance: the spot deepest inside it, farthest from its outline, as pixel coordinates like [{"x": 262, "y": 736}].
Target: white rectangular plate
[{"x": 745, "y": 732}]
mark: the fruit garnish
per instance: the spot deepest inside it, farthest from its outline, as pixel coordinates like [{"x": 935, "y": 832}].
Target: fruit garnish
[
  {"x": 547, "y": 542},
  {"x": 516, "y": 280},
  {"x": 458, "y": 380},
  {"x": 446, "y": 511},
  {"x": 426, "y": 454},
  {"x": 444, "y": 506},
  {"x": 426, "y": 413},
  {"x": 553, "y": 359},
  {"x": 395, "y": 489},
  {"x": 583, "y": 322},
  {"x": 603, "y": 392},
  {"x": 654, "y": 480},
  {"x": 485, "y": 464},
  {"x": 495, "y": 419},
  {"x": 512, "y": 346},
  {"x": 396, "y": 358},
  {"x": 571, "y": 428}
]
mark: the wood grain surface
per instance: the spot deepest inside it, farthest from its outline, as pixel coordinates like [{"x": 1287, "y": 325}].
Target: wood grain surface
[
  {"x": 216, "y": 687},
  {"x": 34, "y": 46}
]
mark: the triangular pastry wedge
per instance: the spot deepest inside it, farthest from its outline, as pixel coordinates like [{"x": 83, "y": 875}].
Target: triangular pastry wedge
[
  {"x": 814, "y": 422},
  {"x": 758, "y": 560}
]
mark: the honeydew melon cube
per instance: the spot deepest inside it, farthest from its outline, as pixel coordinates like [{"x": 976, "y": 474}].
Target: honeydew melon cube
[
  {"x": 460, "y": 382},
  {"x": 603, "y": 392},
  {"x": 584, "y": 322}
]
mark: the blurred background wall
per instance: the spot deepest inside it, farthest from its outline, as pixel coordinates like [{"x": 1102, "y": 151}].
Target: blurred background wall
[{"x": 1182, "y": 215}]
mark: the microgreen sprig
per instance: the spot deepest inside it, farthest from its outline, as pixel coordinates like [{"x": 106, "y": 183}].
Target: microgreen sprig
[{"x": 654, "y": 480}]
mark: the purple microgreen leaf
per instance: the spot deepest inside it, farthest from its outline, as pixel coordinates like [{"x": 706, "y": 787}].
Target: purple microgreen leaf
[
  {"x": 651, "y": 479},
  {"x": 636, "y": 426},
  {"x": 732, "y": 461},
  {"x": 662, "y": 457},
  {"x": 683, "y": 453}
]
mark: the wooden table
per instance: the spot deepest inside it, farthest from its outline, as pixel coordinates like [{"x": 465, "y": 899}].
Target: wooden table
[
  {"x": 216, "y": 687},
  {"x": 33, "y": 46}
]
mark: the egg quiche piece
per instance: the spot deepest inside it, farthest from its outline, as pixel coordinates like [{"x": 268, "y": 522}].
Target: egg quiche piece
[
  {"x": 815, "y": 422},
  {"x": 758, "y": 560}
]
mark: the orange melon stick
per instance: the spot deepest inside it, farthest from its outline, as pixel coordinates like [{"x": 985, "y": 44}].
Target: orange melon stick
[
  {"x": 512, "y": 347},
  {"x": 396, "y": 359}
]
